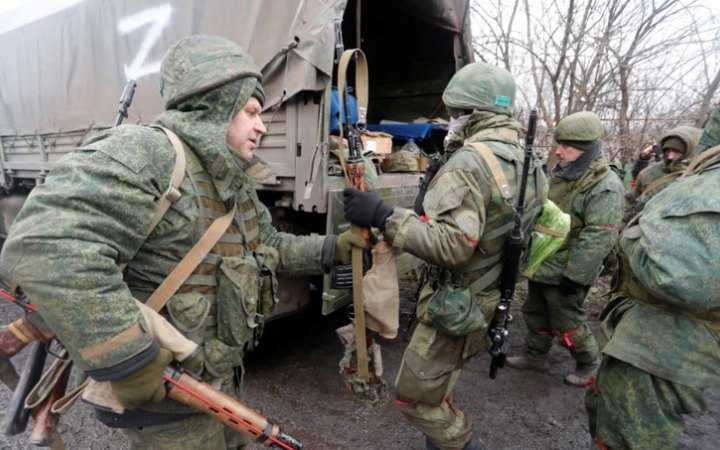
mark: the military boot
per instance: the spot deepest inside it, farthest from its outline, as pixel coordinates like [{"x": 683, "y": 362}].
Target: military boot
[
  {"x": 583, "y": 374},
  {"x": 474, "y": 444},
  {"x": 528, "y": 362}
]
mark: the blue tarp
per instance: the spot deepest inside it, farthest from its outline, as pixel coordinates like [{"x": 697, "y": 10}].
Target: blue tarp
[{"x": 404, "y": 131}]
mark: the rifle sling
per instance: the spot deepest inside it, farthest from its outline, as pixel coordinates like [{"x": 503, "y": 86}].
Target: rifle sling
[
  {"x": 361, "y": 85},
  {"x": 184, "y": 268}
]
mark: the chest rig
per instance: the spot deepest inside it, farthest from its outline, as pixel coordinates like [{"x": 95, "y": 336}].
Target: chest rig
[
  {"x": 219, "y": 294},
  {"x": 483, "y": 270}
]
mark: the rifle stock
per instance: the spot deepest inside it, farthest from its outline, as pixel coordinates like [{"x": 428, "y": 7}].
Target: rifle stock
[
  {"x": 514, "y": 246},
  {"x": 181, "y": 387},
  {"x": 200, "y": 396}
]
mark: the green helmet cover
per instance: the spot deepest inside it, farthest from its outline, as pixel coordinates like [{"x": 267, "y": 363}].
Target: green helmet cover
[
  {"x": 199, "y": 63},
  {"x": 583, "y": 126},
  {"x": 481, "y": 87}
]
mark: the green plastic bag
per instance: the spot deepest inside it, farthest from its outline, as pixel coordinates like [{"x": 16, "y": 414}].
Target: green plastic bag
[{"x": 549, "y": 233}]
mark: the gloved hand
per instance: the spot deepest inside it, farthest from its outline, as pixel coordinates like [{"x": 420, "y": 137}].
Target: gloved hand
[
  {"x": 143, "y": 385},
  {"x": 365, "y": 209},
  {"x": 569, "y": 287},
  {"x": 344, "y": 244}
]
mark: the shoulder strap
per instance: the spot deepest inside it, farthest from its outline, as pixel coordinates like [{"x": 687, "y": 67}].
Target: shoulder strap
[
  {"x": 192, "y": 259},
  {"x": 659, "y": 182},
  {"x": 494, "y": 165},
  {"x": 195, "y": 256},
  {"x": 361, "y": 85},
  {"x": 703, "y": 161},
  {"x": 172, "y": 194}
]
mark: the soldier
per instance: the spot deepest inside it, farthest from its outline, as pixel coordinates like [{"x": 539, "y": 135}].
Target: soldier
[
  {"x": 461, "y": 234},
  {"x": 663, "y": 322},
  {"x": 678, "y": 146},
  {"x": 584, "y": 187},
  {"x": 93, "y": 215}
]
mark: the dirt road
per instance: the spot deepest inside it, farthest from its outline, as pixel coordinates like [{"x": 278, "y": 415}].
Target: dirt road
[{"x": 293, "y": 378}]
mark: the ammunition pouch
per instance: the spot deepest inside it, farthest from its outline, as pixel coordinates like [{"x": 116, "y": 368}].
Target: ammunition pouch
[
  {"x": 246, "y": 296},
  {"x": 454, "y": 311},
  {"x": 189, "y": 313}
]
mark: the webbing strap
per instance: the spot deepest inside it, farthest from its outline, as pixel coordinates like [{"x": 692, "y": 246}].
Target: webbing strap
[
  {"x": 172, "y": 194},
  {"x": 361, "y": 85},
  {"x": 495, "y": 169},
  {"x": 486, "y": 280},
  {"x": 659, "y": 182},
  {"x": 703, "y": 161},
  {"x": 192, "y": 259}
]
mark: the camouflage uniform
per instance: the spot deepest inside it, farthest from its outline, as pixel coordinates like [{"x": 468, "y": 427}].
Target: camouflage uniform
[
  {"x": 93, "y": 214},
  {"x": 461, "y": 236},
  {"x": 711, "y": 133},
  {"x": 593, "y": 196},
  {"x": 662, "y": 323},
  {"x": 658, "y": 176}
]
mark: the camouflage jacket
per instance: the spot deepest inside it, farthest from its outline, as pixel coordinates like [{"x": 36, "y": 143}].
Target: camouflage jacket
[
  {"x": 659, "y": 175},
  {"x": 595, "y": 204},
  {"x": 466, "y": 220},
  {"x": 93, "y": 214},
  {"x": 711, "y": 133},
  {"x": 665, "y": 318}
]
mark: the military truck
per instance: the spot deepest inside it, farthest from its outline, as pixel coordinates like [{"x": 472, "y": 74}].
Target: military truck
[{"x": 64, "y": 65}]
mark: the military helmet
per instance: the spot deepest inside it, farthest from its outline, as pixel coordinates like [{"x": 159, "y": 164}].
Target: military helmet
[
  {"x": 581, "y": 128},
  {"x": 198, "y": 63},
  {"x": 481, "y": 86}
]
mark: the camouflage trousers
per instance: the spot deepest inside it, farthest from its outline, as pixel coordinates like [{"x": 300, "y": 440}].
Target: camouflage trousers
[
  {"x": 629, "y": 408},
  {"x": 194, "y": 433},
  {"x": 549, "y": 314},
  {"x": 429, "y": 370}
]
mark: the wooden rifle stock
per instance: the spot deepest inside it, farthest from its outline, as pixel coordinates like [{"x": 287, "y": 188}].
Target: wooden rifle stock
[{"x": 200, "y": 396}]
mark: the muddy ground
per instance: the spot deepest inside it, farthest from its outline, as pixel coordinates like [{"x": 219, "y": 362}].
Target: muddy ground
[{"x": 293, "y": 378}]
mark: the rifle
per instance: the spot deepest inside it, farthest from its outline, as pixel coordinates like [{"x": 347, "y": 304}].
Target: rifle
[
  {"x": 29, "y": 329},
  {"x": 514, "y": 247},
  {"x": 182, "y": 388},
  {"x": 355, "y": 172},
  {"x": 126, "y": 99}
]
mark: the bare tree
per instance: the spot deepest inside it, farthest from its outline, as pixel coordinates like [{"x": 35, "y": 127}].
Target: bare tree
[{"x": 633, "y": 62}]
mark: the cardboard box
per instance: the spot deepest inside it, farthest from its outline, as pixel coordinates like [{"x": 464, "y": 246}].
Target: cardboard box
[{"x": 377, "y": 142}]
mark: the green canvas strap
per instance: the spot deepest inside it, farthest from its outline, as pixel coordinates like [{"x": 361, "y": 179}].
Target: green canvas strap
[
  {"x": 495, "y": 169},
  {"x": 703, "y": 161},
  {"x": 172, "y": 193},
  {"x": 361, "y": 85}
]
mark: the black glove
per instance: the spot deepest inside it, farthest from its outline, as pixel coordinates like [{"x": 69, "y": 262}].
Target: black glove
[
  {"x": 365, "y": 209},
  {"x": 569, "y": 287}
]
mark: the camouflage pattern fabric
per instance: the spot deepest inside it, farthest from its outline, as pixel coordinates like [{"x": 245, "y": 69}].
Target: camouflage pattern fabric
[
  {"x": 658, "y": 176},
  {"x": 631, "y": 409},
  {"x": 481, "y": 87},
  {"x": 461, "y": 236},
  {"x": 429, "y": 370},
  {"x": 199, "y": 431},
  {"x": 671, "y": 292},
  {"x": 94, "y": 210},
  {"x": 595, "y": 204},
  {"x": 549, "y": 314},
  {"x": 583, "y": 126},
  {"x": 711, "y": 133},
  {"x": 662, "y": 324}
]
